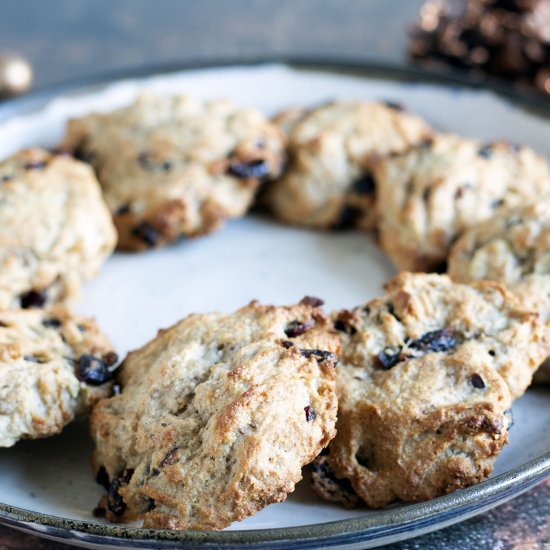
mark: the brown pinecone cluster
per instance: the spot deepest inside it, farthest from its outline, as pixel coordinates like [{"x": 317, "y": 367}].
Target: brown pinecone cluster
[{"x": 505, "y": 38}]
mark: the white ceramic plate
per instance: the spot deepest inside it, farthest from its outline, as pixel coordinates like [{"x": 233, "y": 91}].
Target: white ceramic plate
[{"x": 46, "y": 486}]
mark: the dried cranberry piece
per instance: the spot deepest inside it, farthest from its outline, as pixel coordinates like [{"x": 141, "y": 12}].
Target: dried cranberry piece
[
  {"x": 102, "y": 477},
  {"x": 115, "y": 501},
  {"x": 151, "y": 504},
  {"x": 38, "y": 165},
  {"x": 435, "y": 341},
  {"x": 387, "y": 359},
  {"x": 296, "y": 328},
  {"x": 396, "y": 106},
  {"x": 310, "y": 414},
  {"x": 257, "y": 169},
  {"x": 110, "y": 358},
  {"x": 33, "y": 298},
  {"x": 364, "y": 185},
  {"x": 123, "y": 209},
  {"x": 147, "y": 233},
  {"x": 312, "y": 301},
  {"x": 51, "y": 323},
  {"x": 171, "y": 457},
  {"x": 92, "y": 370},
  {"x": 348, "y": 218},
  {"x": 477, "y": 381},
  {"x": 287, "y": 344},
  {"x": 320, "y": 355}
]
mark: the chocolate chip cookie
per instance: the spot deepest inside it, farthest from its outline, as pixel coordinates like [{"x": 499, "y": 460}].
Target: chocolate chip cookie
[
  {"x": 435, "y": 191},
  {"x": 426, "y": 378},
  {"x": 56, "y": 230},
  {"x": 216, "y": 416},
  {"x": 175, "y": 166},
  {"x": 53, "y": 366},
  {"x": 512, "y": 248},
  {"x": 328, "y": 183}
]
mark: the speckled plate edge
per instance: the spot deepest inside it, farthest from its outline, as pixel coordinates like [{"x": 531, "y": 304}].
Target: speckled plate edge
[{"x": 379, "y": 528}]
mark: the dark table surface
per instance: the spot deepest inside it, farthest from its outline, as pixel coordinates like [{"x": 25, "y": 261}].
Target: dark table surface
[{"x": 66, "y": 39}]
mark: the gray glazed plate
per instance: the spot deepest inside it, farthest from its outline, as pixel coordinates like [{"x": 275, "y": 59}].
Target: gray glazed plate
[{"x": 46, "y": 487}]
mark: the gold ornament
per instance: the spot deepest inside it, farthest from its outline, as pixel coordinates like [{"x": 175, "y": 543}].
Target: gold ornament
[{"x": 15, "y": 75}]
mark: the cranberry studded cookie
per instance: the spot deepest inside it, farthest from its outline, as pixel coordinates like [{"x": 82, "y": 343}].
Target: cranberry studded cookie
[
  {"x": 56, "y": 230},
  {"x": 433, "y": 192},
  {"x": 173, "y": 166},
  {"x": 217, "y": 416},
  {"x": 53, "y": 366},
  {"x": 426, "y": 378},
  {"x": 512, "y": 248},
  {"x": 328, "y": 183}
]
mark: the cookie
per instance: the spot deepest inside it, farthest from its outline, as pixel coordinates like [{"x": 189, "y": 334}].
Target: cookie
[
  {"x": 512, "y": 248},
  {"x": 53, "y": 366},
  {"x": 56, "y": 231},
  {"x": 174, "y": 166},
  {"x": 426, "y": 378},
  {"x": 434, "y": 192},
  {"x": 217, "y": 416},
  {"x": 328, "y": 182}
]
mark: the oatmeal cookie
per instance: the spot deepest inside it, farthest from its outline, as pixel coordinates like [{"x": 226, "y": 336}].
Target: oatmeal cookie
[
  {"x": 56, "y": 230},
  {"x": 426, "y": 378},
  {"x": 512, "y": 248},
  {"x": 328, "y": 183},
  {"x": 217, "y": 416},
  {"x": 432, "y": 193},
  {"x": 53, "y": 366},
  {"x": 174, "y": 166}
]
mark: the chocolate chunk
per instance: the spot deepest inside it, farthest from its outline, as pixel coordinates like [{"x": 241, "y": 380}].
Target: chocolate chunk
[
  {"x": 151, "y": 504},
  {"x": 312, "y": 301},
  {"x": 310, "y": 414},
  {"x": 287, "y": 344},
  {"x": 297, "y": 328},
  {"x": 147, "y": 233},
  {"x": 33, "y": 298},
  {"x": 257, "y": 169},
  {"x": 92, "y": 370},
  {"x": 477, "y": 381},
  {"x": 342, "y": 326}
]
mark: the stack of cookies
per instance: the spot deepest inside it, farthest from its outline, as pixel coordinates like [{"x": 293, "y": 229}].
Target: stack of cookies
[{"x": 405, "y": 398}]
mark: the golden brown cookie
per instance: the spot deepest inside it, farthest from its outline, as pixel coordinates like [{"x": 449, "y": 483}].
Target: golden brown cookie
[
  {"x": 217, "y": 416},
  {"x": 174, "y": 166},
  {"x": 426, "y": 378},
  {"x": 56, "y": 230},
  {"x": 53, "y": 366}
]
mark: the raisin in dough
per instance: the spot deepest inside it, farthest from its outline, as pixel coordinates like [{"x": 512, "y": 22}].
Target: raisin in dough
[
  {"x": 217, "y": 416},
  {"x": 56, "y": 230},
  {"x": 174, "y": 166},
  {"x": 512, "y": 248},
  {"x": 328, "y": 183},
  {"x": 426, "y": 378},
  {"x": 432, "y": 193},
  {"x": 53, "y": 366}
]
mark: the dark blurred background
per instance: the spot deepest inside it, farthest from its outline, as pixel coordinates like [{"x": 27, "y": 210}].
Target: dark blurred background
[{"x": 74, "y": 38}]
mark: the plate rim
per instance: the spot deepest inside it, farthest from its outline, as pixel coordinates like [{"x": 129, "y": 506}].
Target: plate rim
[{"x": 426, "y": 516}]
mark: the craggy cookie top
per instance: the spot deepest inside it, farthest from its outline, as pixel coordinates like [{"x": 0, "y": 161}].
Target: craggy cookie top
[
  {"x": 216, "y": 416},
  {"x": 430, "y": 194},
  {"x": 328, "y": 183},
  {"x": 512, "y": 248},
  {"x": 53, "y": 365},
  {"x": 56, "y": 230},
  {"x": 173, "y": 166},
  {"x": 425, "y": 378}
]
